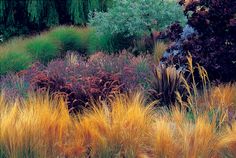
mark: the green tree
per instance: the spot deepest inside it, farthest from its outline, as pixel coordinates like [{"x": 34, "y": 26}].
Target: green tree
[{"x": 26, "y": 16}]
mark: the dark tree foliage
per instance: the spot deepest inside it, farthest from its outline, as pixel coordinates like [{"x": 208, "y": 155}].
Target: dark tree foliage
[
  {"x": 212, "y": 45},
  {"x": 30, "y": 16}
]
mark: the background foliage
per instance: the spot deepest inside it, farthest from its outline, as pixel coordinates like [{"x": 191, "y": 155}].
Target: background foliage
[
  {"x": 56, "y": 42},
  {"x": 136, "y": 18},
  {"x": 29, "y": 16},
  {"x": 130, "y": 20}
]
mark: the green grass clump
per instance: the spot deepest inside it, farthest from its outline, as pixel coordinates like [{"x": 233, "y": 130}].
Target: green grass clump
[
  {"x": 14, "y": 61},
  {"x": 98, "y": 42},
  {"x": 18, "y": 53},
  {"x": 67, "y": 37},
  {"x": 84, "y": 34},
  {"x": 43, "y": 49}
]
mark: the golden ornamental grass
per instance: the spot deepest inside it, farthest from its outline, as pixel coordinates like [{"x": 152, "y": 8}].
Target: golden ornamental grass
[{"x": 127, "y": 128}]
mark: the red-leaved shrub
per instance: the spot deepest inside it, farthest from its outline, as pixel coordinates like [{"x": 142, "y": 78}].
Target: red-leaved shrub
[
  {"x": 79, "y": 79},
  {"x": 212, "y": 45}
]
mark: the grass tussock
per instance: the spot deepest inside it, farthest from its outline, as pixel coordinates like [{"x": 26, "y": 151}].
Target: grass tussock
[
  {"x": 127, "y": 127},
  {"x": 159, "y": 49},
  {"x": 43, "y": 49},
  {"x": 32, "y": 128},
  {"x": 176, "y": 136},
  {"x": 67, "y": 37},
  {"x": 123, "y": 131},
  {"x": 20, "y": 53}
]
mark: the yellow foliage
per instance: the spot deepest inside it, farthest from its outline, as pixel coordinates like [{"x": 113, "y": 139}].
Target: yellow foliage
[
  {"x": 121, "y": 130},
  {"x": 159, "y": 49},
  {"x": 33, "y": 127},
  {"x": 127, "y": 127}
]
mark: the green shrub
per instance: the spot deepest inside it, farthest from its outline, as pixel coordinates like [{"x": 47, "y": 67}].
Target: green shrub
[
  {"x": 43, "y": 49},
  {"x": 128, "y": 21},
  {"x": 134, "y": 18},
  {"x": 13, "y": 62},
  {"x": 67, "y": 37}
]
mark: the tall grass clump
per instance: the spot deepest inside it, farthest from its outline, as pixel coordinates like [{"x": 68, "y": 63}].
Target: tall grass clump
[
  {"x": 187, "y": 138},
  {"x": 84, "y": 33},
  {"x": 33, "y": 128},
  {"x": 100, "y": 43},
  {"x": 158, "y": 51},
  {"x": 13, "y": 57},
  {"x": 223, "y": 96},
  {"x": 14, "y": 61},
  {"x": 21, "y": 52},
  {"x": 119, "y": 131},
  {"x": 67, "y": 37},
  {"x": 43, "y": 49},
  {"x": 13, "y": 84},
  {"x": 227, "y": 143},
  {"x": 165, "y": 83},
  {"x": 126, "y": 126}
]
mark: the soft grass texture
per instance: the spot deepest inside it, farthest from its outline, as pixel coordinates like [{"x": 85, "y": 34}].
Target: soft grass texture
[
  {"x": 127, "y": 127},
  {"x": 100, "y": 43},
  {"x": 13, "y": 56},
  {"x": 18, "y": 53},
  {"x": 14, "y": 61},
  {"x": 67, "y": 37},
  {"x": 158, "y": 51},
  {"x": 43, "y": 49},
  {"x": 32, "y": 128}
]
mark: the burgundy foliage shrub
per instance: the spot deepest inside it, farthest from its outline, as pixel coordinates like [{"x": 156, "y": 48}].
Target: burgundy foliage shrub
[
  {"x": 99, "y": 77},
  {"x": 212, "y": 45},
  {"x": 78, "y": 90}
]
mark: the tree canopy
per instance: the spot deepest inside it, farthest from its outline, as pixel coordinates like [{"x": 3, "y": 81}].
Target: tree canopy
[{"x": 26, "y": 16}]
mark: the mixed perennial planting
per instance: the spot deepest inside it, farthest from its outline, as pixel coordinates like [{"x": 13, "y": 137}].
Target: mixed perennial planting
[{"x": 134, "y": 82}]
